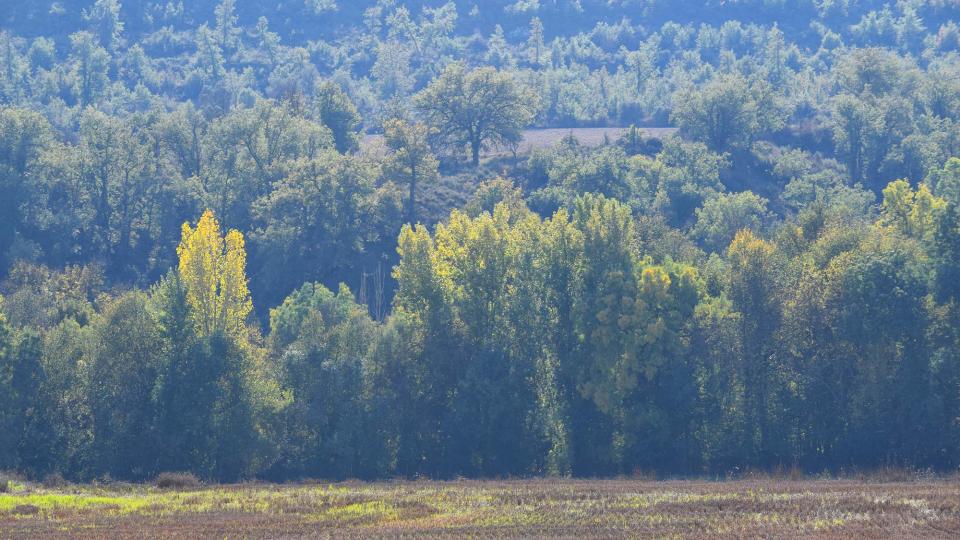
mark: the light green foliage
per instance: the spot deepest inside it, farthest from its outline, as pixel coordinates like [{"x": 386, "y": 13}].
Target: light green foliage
[
  {"x": 722, "y": 217},
  {"x": 913, "y": 213},
  {"x": 412, "y": 162},
  {"x": 492, "y": 193},
  {"x": 945, "y": 182},
  {"x": 90, "y": 63}
]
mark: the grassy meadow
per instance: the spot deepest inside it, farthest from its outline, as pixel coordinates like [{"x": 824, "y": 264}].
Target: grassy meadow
[{"x": 760, "y": 508}]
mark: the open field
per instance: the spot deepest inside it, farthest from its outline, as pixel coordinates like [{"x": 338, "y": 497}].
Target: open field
[
  {"x": 545, "y": 138},
  {"x": 538, "y": 508}
]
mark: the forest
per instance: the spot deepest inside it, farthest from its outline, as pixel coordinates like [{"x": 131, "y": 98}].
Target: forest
[{"x": 302, "y": 239}]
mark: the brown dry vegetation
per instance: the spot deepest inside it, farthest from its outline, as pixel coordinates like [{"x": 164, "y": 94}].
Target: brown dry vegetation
[
  {"x": 545, "y": 138},
  {"x": 540, "y": 508},
  {"x": 534, "y": 139}
]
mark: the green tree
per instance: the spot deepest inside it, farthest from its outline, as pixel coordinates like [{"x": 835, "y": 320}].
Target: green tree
[
  {"x": 477, "y": 109},
  {"x": 945, "y": 182},
  {"x": 90, "y": 65},
  {"x": 216, "y": 401},
  {"x": 121, "y": 373},
  {"x": 323, "y": 222},
  {"x": 876, "y": 303},
  {"x": 321, "y": 341},
  {"x": 392, "y": 72},
  {"x": 111, "y": 166},
  {"x": 412, "y": 163},
  {"x": 334, "y": 109},
  {"x": 104, "y": 20},
  {"x": 728, "y": 112},
  {"x": 867, "y": 132},
  {"x": 247, "y": 152},
  {"x": 722, "y": 217},
  {"x": 13, "y": 70},
  {"x": 10, "y": 414},
  {"x": 421, "y": 301},
  {"x": 59, "y": 435},
  {"x": 228, "y": 35},
  {"x": 946, "y": 247},
  {"x": 209, "y": 59},
  {"x": 535, "y": 43},
  {"x": 23, "y": 137},
  {"x": 756, "y": 276},
  {"x": 682, "y": 177}
]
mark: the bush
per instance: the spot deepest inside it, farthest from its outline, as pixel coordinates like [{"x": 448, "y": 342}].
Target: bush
[
  {"x": 175, "y": 480},
  {"x": 25, "y": 510},
  {"x": 9, "y": 481},
  {"x": 54, "y": 480}
]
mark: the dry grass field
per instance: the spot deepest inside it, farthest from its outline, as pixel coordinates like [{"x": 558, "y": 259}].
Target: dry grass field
[
  {"x": 545, "y": 138},
  {"x": 506, "y": 509},
  {"x": 453, "y": 190}
]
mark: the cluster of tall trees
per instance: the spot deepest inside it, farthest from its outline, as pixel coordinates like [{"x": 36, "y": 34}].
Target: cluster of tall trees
[
  {"x": 517, "y": 345},
  {"x": 319, "y": 250}
]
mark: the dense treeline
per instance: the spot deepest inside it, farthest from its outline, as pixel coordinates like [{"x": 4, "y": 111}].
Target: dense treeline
[
  {"x": 208, "y": 265},
  {"x": 518, "y": 345}
]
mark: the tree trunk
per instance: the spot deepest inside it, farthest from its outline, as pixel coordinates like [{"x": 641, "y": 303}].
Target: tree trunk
[
  {"x": 412, "y": 209},
  {"x": 475, "y": 150}
]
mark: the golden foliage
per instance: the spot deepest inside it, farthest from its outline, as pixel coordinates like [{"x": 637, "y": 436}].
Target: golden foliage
[{"x": 213, "y": 270}]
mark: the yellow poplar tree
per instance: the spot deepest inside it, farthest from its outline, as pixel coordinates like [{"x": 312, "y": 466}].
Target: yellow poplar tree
[{"x": 213, "y": 270}]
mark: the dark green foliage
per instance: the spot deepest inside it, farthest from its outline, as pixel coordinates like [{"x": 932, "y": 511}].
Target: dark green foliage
[
  {"x": 122, "y": 371},
  {"x": 335, "y": 110},
  {"x": 946, "y": 249},
  {"x": 321, "y": 341}
]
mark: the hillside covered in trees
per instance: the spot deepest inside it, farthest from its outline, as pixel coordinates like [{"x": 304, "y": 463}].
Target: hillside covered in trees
[{"x": 297, "y": 239}]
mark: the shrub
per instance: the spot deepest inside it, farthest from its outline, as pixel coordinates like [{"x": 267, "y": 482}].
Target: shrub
[
  {"x": 54, "y": 480},
  {"x": 25, "y": 510},
  {"x": 177, "y": 480},
  {"x": 9, "y": 481}
]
